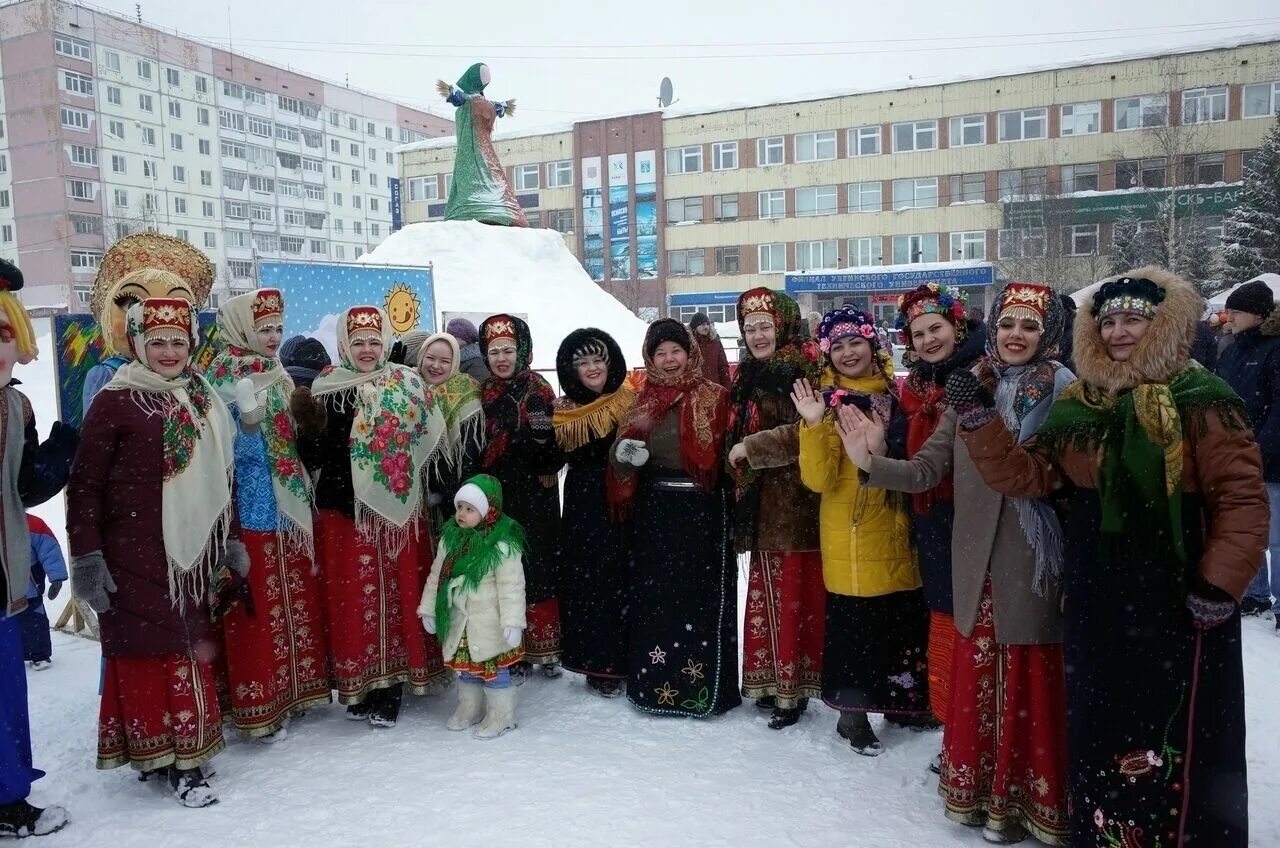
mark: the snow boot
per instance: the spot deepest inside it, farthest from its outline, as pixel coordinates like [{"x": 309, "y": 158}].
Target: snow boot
[
  {"x": 19, "y": 819},
  {"x": 862, "y": 739},
  {"x": 520, "y": 672},
  {"x": 191, "y": 789},
  {"x": 386, "y": 706},
  {"x": 935, "y": 765},
  {"x": 279, "y": 735},
  {"x": 766, "y": 703},
  {"x": 784, "y": 717},
  {"x": 41, "y": 665},
  {"x": 1254, "y": 606},
  {"x": 605, "y": 687},
  {"x": 1011, "y": 834},
  {"x": 500, "y": 713},
  {"x": 360, "y": 711},
  {"x": 552, "y": 670},
  {"x": 470, "y": 706}
]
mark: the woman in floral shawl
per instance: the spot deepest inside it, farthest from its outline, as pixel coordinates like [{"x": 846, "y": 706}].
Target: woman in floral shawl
[
  {"x": 369, "y": 430},
  {"x": 775, "y": 516},
  {"x": 276, "y": 658}
]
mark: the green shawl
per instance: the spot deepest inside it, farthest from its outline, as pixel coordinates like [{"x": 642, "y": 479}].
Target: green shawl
[
  {"x": 471, "y": 553},
  {"x": 1139, "y": 433}
]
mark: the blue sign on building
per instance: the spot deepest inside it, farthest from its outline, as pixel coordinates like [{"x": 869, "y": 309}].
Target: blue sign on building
[
  {"x": 873, "y": 281},
  {"x": 701, "y": 298},
  {"x": 396, "y": 220}
]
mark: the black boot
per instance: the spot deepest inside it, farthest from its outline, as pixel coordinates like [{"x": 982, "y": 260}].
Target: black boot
[
  {"x": 520, "y": 672},
  {"x": 386, "y": 709},
  {"x": 784, "y": 717},
  {"x": 918, "y": 723},
  {"x": 360, "y": 711},
  {"x": 766, "y": 703},
  {"x": 605, "y": 687},
  {"x": 19, "y": 819},
  {"x": 856, "y": 727},
  {"x": 191, "y": 789}
]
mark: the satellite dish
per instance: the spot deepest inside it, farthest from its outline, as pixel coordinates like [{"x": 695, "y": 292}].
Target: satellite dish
[{"x": 665, "y": 93}]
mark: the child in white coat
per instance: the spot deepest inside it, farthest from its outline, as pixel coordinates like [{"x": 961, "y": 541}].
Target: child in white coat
[{"x": 474, "y": 599}]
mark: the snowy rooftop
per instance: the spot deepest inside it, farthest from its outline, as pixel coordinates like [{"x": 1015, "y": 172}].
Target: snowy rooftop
[{"x": 1150, "y": 51}]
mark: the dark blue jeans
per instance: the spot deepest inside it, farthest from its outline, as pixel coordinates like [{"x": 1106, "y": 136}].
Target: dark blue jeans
[
  {"x": 1264, "y": 587},
  {"x": 36, "y": 643}
]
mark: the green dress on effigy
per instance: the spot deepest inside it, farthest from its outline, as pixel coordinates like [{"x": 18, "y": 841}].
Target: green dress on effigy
[{"x": 480, "y": 190}]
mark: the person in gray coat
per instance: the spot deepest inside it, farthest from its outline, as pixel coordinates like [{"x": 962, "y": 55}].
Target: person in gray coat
[{"x": 471, "y": 358}]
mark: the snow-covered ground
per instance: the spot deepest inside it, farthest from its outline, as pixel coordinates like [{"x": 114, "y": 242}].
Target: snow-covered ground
[{"x": 580, "y": 771}]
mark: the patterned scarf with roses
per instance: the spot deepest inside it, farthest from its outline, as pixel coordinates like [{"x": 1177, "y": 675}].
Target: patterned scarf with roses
[
  {"x": 396, "y": 432},
  {"x": 241, "y": 360}
]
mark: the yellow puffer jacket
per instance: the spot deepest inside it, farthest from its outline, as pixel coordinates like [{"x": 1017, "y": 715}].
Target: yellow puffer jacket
[{"x": 866, "y": 541}]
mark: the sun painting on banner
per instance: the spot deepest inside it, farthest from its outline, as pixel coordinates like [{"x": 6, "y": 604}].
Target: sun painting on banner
[{"x": 403, "y": 308}]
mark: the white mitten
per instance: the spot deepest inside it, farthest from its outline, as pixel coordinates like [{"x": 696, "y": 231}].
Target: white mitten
[
  {"x": 251, "y": 414},
  {"x": 513, "y": 635},
  {"x": 429, "y": 623},
  {"x": 633, "y": 452}
]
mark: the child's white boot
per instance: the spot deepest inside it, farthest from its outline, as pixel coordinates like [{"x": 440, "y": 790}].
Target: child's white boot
[
  {"x": 500, "y": 713},
  {"x": 470, "y": 702}
]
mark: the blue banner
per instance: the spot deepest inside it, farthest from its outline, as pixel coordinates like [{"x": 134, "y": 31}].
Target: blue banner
[
  {"x": 396, "y": 220},
  {"x": 619, "y": 233},
  {"x": 315, "y": 293},
  {"x": 646, "y": 216},
  {"x": 701, "y": 298},
  {"x": 858, "y": 281}
]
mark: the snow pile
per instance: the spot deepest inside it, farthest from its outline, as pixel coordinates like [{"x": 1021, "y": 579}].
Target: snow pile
[{"x": 478, "y": 268}]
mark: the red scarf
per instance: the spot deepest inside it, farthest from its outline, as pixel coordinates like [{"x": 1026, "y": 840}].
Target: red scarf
[{"x": 924, "y": 402}]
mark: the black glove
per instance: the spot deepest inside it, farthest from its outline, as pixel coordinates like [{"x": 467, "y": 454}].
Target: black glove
[
  {"x": 965, "y": 391},
  {"x": 91, "y": 581},
  {"x": 54, "y": 588}
]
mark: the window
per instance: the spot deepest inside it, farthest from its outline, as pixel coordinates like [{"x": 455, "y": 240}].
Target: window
[
  {"x": 262, "y": 184},
  {"x": 79, "y": 154},
  {"x": 1026, "y": 184},
  {"x": 318, "y": 246},
  {"x": 315, "y": 166},
  {"x": 73, "y": 47},
  {"x": 151, "y": 201},
  {"x": 293, "y": 217},
  {"x": 240, "y": 269},
  {"x": 4, "y": 199},
  {"x": 172, "y": 77},
  {"x": 291, "y": 244},
  {"x": 145, "y": 103},
  {"x": 74, "y": 83},
  {"x": 424, "y": 188},
  {"x": 112, "y": 60},
  {"x": 6, "y": 234},
  {"x": 115, "y": 129},
  {"x": 210, "y": 240},
  {"x": 238, "y": 238},
  {"x": 179, "y": 174},
  {"x": 1023, "y": 124},
  {"x": 149, "y": 136},
  {"x": 770, "y": 151},
  {"x": 772, "y": 204},
  {"x": 120, "y": 198},
  {"x": 1080, "y": 239},
  {"x": 175, "y": 141},
  {"x": 149, "y": 168},
  {"x": 206, "y": 147},
  {"x": 179, "y": 206},
  {"x": 113, "y": 96},
  {"x": 4, "y": 159},
  {"x": 337, "y": 225},
  {"x": 264, "y": 214},
  {"x": 86, "y": 225},
  {"x": 559, "y": 174},
  {"x": 85, "y": 260},
  {"x": 339, "y": 251},
  {"x": 682, "y": 209},
  {"x": 1079, "y": 178},
  {"x": 1135, "y": 113},
  {"x": 1022, "y": 244},
  {"x": 817, "y": 255},
  {"x": 258, "y": 126},
  {"x": 255, "y": 95},
  {"x": 865, "y": 252},
  {"x": 865, "y": 197},
  {"x": 724, "y": 207},
  {"x": 1204, "y": 105},
  {"x": 202, "y": 84},
  {"x": 289, "y": 104},
  {"x": 75, "y": 119},
  {"x": 357, "y": 227},
  {"x": 815, "y": 147},
  {"x": 355, "y": 150},
  {"x": 356, "y": 201},
  {"x": 234, "y": 149},
  {"x": 144, "y": 69},
  {"x": 335, "y": 146},
  {"x": 773, "y": 258},
  {"x": 231, "y": 120},
  {"x": 313, "y": 192},
  {"x": 175, "y": 109},
  {"x": 268, "y": 242},
  {"x": 968, "y": 188},
  {"x": 1206, "y": 169},
  {"x": 233, "y": 89},
  {"x": 1147, "y": 173},
  {"x": 916, "y": 135},
  {"x": 1081, "y": 119},
  {"x": 920, "y": 193},
  {"x": 686, "y": 263},
  {"x": 206, "y": 208},
  {"x": 526, "y": 177},
  {"x": 816, "y": 200},
  {"x": 684, "y": 160},
  {"x": 82, "y": 189},
  {"x": 864, "y": 141},
  {"x": 337, "y": 198},
  {"x": 909, "y": 250},
  {"x": 391, "y": 161},
  {"x": 728, "y": 260},
  {"x": 373, "y": 154},
  {"x": 206, "y": 178},
  {"x": 1262, "y": 100},
  {"x": 370, "y": 128},
  {"x": 969, "y": 245},
  {"x": 968, "y": 130},
  {"x": 289, "y": 189},
  {"x": 237, "y": 209},
  {"x": 292, "y": 161},
  {"x": 355, "y": 175},
  {"x": 724, "y": 156}
]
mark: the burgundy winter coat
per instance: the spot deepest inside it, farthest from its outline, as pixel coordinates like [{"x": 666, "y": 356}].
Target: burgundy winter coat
[{"x": 114, "y": 505}]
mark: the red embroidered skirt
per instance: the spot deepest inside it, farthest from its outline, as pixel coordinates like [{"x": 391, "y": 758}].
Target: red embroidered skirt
[
  {"x": 277, "y": 658},
  {"x": 942, "y": 637},
  {"x": 375, "y": 637},
  {"x": 157, "y": 712},
  {"x": 783, "y": 627},
  {"x": 1004, "y": 753},
  {"x": 542, "y": 635}
]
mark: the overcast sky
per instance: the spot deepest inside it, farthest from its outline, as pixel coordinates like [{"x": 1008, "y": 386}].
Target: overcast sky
[{"x": 565, "y": 60}]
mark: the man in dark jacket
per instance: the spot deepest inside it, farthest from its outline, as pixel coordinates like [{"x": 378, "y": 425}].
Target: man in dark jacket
[
  {"x": 715, "y": 365},
  {"x": 1252, "y": 366},
  {"x": 470, "y": 357},
  {"x": 303, "y": 358}
]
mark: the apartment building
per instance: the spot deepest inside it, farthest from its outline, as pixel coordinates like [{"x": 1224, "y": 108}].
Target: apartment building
[
  {"x": 108, "y": 126},
  {"x": 837, "y": 198}
]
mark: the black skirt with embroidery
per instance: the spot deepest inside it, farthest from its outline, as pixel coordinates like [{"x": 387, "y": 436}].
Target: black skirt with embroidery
[{"x": 874, "y": 658}]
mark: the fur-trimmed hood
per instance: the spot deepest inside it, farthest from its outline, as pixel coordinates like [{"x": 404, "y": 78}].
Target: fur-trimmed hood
[{"x": 1160, "y": 355}]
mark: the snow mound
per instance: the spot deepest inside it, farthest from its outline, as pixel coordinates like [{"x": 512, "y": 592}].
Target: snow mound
[{"x": 485, "y": 269}]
